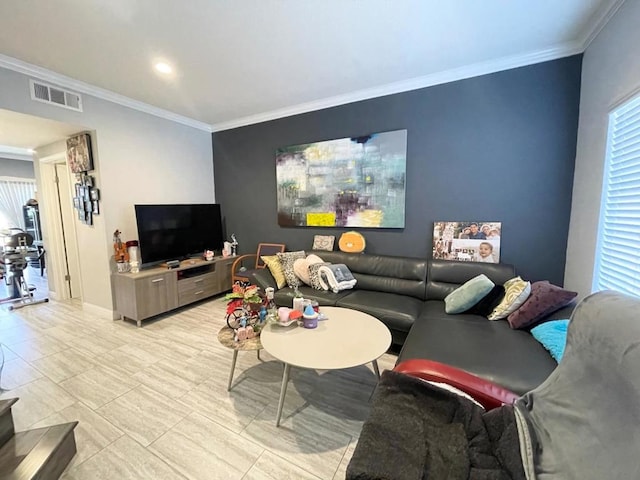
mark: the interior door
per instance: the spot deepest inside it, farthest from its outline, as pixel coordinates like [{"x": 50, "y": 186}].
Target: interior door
[{"x": 66, "y": 211}]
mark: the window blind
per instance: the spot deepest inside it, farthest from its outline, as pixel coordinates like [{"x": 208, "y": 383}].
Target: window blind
[{"x": 618, "y": 252}]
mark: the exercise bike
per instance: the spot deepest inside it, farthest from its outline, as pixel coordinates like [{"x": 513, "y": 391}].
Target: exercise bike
[{"x": 13, "y": 261}]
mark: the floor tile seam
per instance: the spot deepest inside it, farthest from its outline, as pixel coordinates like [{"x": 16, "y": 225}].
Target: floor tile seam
[
  {"x": 155, "y": 454},
  {"x": 102, "y": 417},
  {"x": 89, "y": 406},
  {"x": 2, "y": 390},
  {"x": 42, "y": 357},
  {"x": 149, "y": 388},
  {"x": 244, "y": 476},
  {"x": 303, "y": 468},
  {"x": 151, "y": 447},
  {"x": 342, "y": 458}
]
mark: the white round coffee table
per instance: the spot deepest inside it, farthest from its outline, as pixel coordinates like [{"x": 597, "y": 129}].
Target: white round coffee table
[{"x": 348, "y": 338}]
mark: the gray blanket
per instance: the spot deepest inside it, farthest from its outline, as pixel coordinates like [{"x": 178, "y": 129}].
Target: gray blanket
[
  {"x": 417, "y": 431},
  {"x": 582, "y": 422}
]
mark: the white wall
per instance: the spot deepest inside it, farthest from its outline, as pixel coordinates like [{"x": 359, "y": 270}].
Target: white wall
[
  {"x": 138, "y": 158},
  {"x": 16, "y": 168},
  {"x": 610, "y": 73}
]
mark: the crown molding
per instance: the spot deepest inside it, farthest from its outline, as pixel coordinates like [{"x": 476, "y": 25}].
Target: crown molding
[
  {"x": 598, "y": 22},
  {"x": 40, "y": 73},
  {"x": 15, "y": 153},
  {"x": 461, "y": 73}
]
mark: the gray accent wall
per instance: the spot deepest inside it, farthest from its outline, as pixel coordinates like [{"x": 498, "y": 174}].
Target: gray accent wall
[
  {"x": 499, "y": 147},
  {"x": 16, "y": 168}
]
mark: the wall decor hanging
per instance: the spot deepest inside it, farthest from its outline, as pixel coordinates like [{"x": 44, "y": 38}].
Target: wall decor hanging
[
  {"x": 87, "y": 198},
  {"x": 467, "y": 241},
  {"x": 79, "y": 154},
  {"x": 348, "y": 182}
]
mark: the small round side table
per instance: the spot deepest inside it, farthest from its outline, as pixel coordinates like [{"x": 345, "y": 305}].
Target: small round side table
[{"x": 225, "y": 337}]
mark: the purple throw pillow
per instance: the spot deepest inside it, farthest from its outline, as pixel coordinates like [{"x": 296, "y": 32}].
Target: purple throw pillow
[{"x": 545, "y": 299}]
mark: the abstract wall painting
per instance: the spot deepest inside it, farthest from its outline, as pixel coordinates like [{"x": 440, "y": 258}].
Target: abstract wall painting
[
  {"x": 467, "y": 241},
  {"x": 79, "y": 154},
  {"x": 348, "y": 182}
]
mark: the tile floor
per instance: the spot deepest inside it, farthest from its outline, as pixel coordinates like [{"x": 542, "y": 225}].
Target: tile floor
[{"x": 152, "y": 401}]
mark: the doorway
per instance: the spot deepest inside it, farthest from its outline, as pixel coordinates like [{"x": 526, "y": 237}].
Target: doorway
[{"x": 63, "y": 262}]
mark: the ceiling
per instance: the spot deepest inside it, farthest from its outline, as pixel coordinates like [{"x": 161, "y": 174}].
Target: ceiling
[
  {"x": 20, "y": 133},
  {"x": 242, "y": 61}
]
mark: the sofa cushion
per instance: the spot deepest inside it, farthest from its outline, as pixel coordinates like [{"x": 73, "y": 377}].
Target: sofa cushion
[
  {"x": 516, "y": 293},
  {"x": 467, "y": 295},
  {"x": 445, "y": 276},
  {"x": 491, "y": 350},
  {"x": 545, "y": 298},
  {"x": 553, "y": 336},
  {"x": 486, "y": 305},
  {"x": 301, "y": 267},
  {"x": 398, "y": 312},
  {"x": 287, "y": 259},
  {"x": 275, "y": 267},
  {"x": 383, "y": 273}
]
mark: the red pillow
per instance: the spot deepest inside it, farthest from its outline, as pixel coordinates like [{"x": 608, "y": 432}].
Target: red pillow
[{"x": 545, "y": 299}]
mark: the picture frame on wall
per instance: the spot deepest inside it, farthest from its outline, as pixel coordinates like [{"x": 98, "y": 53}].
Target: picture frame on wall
[
  {"x": 94, "y": 194},
  {"x": 95, "y": 207},
  {"x": 79, "y": 154},
  {"x": 470, "y": 241}
]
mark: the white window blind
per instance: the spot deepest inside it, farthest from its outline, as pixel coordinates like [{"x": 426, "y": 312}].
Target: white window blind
[{"x": 618, "y": 252}]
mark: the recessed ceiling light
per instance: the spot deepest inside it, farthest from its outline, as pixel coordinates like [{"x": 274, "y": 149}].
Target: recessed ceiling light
[{"x": 163, "y": 67}]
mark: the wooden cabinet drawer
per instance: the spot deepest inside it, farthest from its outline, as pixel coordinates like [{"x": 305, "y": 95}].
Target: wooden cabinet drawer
[
  {"x": 155, "y": 295},
  {"x": 197, "y": 283}
]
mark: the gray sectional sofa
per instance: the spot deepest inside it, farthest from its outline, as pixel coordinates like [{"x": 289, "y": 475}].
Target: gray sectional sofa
[{"x": 407, "y": 295}]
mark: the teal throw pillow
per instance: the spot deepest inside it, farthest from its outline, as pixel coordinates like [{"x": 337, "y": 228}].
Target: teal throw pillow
[
  {"x": 467, "y": 295},
  {"x": 553, "y": 336}
]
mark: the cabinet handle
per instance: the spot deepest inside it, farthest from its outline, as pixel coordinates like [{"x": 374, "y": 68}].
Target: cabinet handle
[
  {"x": 200, "y": 280},
  {"x": 199, "y": 292},
  {"x": 157, "y": 280}
]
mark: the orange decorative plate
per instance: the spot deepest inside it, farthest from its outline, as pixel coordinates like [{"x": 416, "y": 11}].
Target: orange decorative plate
[{"x": 352, "y": 242}]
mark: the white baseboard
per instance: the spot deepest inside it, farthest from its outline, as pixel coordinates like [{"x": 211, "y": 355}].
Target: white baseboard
[{"x": 100, "y": 311}]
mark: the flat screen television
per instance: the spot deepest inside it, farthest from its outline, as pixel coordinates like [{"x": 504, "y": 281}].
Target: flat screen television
[{"x": 170, "y": 232}]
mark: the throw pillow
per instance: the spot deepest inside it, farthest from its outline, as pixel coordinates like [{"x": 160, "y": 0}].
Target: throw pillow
[
  {"x": 553, "y": 336},
  {"x": 287, "y": 259},
  {"x": 301, "y": 267},
  {"x": 314, "y": 276},
  {"x": 467, "y": 295},
  {"x": 323, "y": 242},
  {"x": 275, "y": 267},
  {"x": 516, "y": 292},
  {"x": 545, "y": 299},
  {"x": 485, "y": 306}
]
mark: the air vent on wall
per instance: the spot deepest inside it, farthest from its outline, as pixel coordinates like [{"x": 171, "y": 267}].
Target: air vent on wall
[{"x": 41, "y": 92}]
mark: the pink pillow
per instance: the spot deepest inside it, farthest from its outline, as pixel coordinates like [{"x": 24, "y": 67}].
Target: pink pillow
[
  {"x": 301, "y": 267},
  {"x": 545, "y": 299}
]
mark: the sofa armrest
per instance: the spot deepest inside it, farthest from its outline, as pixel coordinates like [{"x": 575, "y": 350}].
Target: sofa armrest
[{"x": 487, "y": 393}]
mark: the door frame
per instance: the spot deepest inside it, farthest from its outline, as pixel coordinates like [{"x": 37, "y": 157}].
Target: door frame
[{"x": 53, "y": 228}]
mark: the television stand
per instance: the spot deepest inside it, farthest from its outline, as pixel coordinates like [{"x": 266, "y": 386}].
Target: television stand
[{"x": 159, "y": 290}]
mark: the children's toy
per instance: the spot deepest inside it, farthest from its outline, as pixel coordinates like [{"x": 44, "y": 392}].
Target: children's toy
[{"x": 246, "y": 309}]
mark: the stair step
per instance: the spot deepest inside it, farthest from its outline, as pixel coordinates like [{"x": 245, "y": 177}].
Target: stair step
[
  {"x": 42, "y": 453},
  {"x": 6, "y": 420}
]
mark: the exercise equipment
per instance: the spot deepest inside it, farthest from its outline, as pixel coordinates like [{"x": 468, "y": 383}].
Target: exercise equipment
[{"x": 17, "y": 246}]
